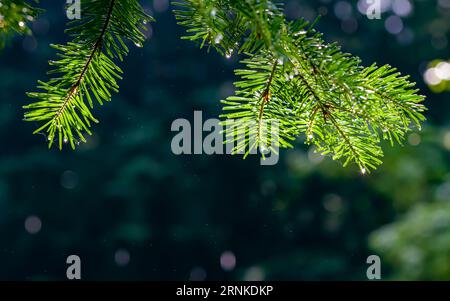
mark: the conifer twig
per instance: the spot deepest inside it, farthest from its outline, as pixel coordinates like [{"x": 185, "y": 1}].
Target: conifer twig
[
  {"x": 86, "y": 69},
  {"x": 344, "y": 109}
]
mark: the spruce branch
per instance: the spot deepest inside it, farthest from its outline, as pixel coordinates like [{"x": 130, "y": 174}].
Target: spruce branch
[
  {"x": 86, "y": 69},
  {"x": 314, "y": 88}
]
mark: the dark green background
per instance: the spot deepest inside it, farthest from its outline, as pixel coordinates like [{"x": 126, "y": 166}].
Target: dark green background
[{"x": 303, "y": 219}]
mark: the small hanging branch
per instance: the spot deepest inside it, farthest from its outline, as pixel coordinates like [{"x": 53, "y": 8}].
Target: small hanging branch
[{"x": 86, "y": 70}]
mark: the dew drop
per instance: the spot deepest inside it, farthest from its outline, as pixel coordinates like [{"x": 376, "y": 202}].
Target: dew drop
[
  {"x": 229, "y": 53},
  {"x": 218, "y": 38}
]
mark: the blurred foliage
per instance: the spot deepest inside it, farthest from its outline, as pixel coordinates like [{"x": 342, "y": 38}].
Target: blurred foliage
[
  {"x": 418, "y": 244},
  {"x": 134, "y": 211},
  {"x": 14, "y": 16}
]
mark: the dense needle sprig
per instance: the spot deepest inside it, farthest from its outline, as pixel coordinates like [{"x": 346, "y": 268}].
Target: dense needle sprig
[
  {"x": 86, "y": 71},
  {"x": 310, "y": 87},
  {"x": 290, "y": 75}
]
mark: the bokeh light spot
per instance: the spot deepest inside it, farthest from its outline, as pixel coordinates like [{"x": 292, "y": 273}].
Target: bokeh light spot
[
  {"x": 33, "y": 224},
  {"x": 228, "y": 261},
  {"x": 122, "y": 257}
]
